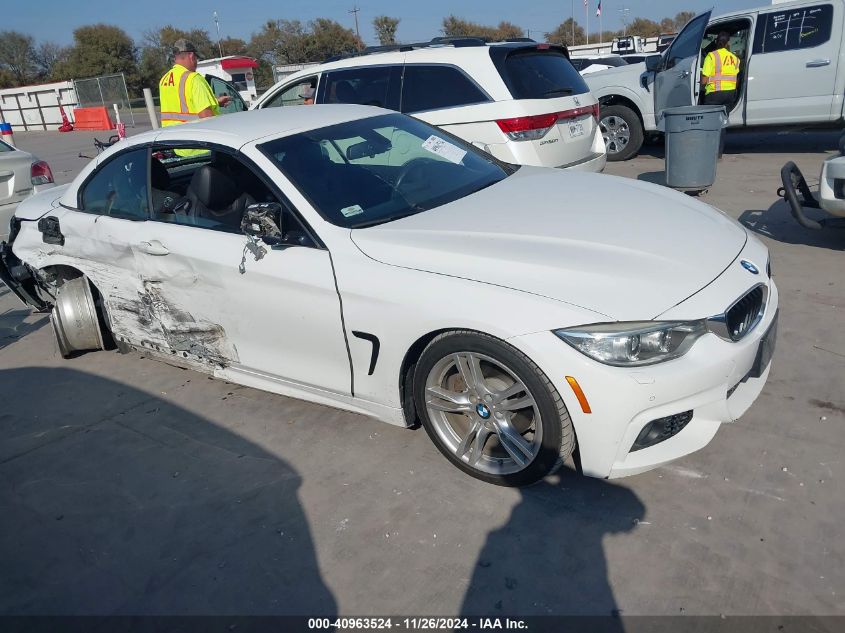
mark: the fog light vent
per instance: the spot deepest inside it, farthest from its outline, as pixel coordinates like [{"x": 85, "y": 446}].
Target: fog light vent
[{"x": 661, "y": 429}]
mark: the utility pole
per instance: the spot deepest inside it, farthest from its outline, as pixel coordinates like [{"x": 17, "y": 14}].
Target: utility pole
[
  {"x": 354, "y": 10},
  {"x": 217, "y": 24},
  {"x": 624, "y": 13},
  {"x": 573, "y": 23}
]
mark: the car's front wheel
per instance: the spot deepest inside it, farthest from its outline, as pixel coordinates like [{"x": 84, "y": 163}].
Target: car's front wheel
[
  {"x": 490, "y": 410},
  {"x": 622, "y": 132}
]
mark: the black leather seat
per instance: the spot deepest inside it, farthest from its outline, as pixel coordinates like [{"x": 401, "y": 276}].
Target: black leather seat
[{"x": 216, "y": 200}]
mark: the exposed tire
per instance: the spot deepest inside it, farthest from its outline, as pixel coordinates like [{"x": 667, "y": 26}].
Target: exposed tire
[
  {"x": 490, "y": 410},
  {"x": 622, "y": 132}
]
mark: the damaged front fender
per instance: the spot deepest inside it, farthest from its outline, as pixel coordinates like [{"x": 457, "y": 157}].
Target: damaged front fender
[{"x": 21, "y": 279}]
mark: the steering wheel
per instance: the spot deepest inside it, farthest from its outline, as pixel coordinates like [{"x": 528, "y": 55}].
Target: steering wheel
[{"x": 413, "y": 165}]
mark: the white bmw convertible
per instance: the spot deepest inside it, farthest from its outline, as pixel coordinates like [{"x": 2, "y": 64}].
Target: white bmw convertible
[{"x": 368, "y": 261}]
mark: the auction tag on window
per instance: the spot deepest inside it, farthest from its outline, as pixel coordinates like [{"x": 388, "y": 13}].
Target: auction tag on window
[
  {"x": 355, "y": 209},
  {"x": 444, "y": 149}
]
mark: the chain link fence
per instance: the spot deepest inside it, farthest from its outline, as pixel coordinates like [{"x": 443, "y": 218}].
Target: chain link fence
[{"x": 107, "y": 91}]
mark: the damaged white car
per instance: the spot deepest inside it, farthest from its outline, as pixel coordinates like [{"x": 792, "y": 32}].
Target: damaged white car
[{"x": 369, "y": 261}]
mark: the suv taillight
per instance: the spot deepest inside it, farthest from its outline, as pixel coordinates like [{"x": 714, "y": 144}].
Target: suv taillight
[
  {"x": 40, "y": 173},
  {"x": 532, "y": 128}
]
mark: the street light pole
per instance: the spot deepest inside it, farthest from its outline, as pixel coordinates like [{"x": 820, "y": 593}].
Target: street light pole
[{"x": 217, "y": 24}]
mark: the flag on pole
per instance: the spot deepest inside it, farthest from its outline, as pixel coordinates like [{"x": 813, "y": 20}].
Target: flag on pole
[{"x": 598, "y": 10}]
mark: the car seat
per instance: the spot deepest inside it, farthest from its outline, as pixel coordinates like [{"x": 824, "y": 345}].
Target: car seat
[{"x": 216, "y": 200}]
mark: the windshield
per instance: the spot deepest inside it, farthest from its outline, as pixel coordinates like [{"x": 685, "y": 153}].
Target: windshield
[{"x": 379, "y": 169}]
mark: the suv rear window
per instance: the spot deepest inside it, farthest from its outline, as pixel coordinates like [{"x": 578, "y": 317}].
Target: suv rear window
[{"x": 538, "y": 74}]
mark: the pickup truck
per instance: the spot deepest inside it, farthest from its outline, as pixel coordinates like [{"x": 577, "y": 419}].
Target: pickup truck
[{"x": 792, "y": 73}]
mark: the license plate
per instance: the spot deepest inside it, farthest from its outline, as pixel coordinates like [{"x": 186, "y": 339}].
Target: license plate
[
  {"x": 765, "y": 351},
  {"x": 576, "y": 129}
]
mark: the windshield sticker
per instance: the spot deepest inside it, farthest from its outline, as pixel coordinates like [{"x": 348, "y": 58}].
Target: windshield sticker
[
  {"x": 444, "y": 149},
  {"x": 355, "y": 209}
]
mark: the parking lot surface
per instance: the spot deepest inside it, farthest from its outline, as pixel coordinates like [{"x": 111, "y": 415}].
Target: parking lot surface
[{"x": 129, "y": 486}]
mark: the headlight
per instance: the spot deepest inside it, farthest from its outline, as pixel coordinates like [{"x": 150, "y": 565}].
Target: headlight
[{"x": 634, "y": 343}]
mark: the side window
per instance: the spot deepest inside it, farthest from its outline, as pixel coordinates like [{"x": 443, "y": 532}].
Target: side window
[
  {"x": 366, "y": 86},
  {"x": 210, "y": 190},
  {"x": 292, "y": 95},
  {"x": 688, "y": 42},
  {"x": 220, "y": 87},
  {"x": 119, "y": 188},
  {"x": 433, "y": 87},
  {"x": 792, "y": 29}
]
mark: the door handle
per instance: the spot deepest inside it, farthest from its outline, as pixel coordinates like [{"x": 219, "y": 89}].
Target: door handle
[
  {"x": 685, "y": 74},
  {"x": 817, "y": 63},
  {"x": 154, "y": 247}
]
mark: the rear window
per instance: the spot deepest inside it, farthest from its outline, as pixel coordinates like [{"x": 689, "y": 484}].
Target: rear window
[{"x": 537, "y": 74}]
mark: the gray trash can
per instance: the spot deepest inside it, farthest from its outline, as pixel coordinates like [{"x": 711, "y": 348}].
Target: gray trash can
[{"x": 692, "y": 144}]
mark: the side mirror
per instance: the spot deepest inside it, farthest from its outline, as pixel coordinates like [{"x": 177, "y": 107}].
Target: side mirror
[
  {"x": 652, "y": 63},
  {"x": 263, "y": 221}
]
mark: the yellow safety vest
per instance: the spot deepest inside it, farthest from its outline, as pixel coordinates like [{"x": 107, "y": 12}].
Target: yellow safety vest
[
  {"x": 721, "y": 68},
  {"x": 176, "y": 96}
]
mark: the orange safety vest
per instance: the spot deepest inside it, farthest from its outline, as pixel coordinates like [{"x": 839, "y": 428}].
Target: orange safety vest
[{"x": 725, "y": 70}]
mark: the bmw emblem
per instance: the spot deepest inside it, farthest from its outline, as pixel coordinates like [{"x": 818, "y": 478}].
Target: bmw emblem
[
  {"x": 482, "y": 411},
  {"x": 747, "y": 265}
]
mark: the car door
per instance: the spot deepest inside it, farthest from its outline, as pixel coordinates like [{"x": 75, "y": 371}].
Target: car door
[
  {"x": 103, "y": 237},
  {"x": 678, "y": 75},
  {"x": 222, "y": 87},
  {"x": 290, "y": 94},
  {"x": 270, "y": 312},
  {"x": 792, "y": 75}
]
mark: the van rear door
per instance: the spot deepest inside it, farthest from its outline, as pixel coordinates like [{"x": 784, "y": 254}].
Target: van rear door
[
  {"x": 792, "y": 76},
  {"x": 678, "y": 75}
]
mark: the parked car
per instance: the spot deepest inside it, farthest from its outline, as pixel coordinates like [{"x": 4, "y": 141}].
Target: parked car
[
  {"x": 587, "y": 65},
  {"x": 792, "y": 73},
  {"x": 665, "y": 40},
  {"x": 366, "y": 260},
  {"x": 523, "y": 102},
  {"x": 21, "y": 175}
]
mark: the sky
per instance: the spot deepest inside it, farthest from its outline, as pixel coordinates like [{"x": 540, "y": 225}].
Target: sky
[{"x": 54, "y": 20}]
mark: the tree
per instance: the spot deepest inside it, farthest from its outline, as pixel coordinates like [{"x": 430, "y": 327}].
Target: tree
[
  {"x": 328, "y": 38},
  {"x": 47, "y": 56},
  {"x": 17, "y": 56},
  {"x": 157, "y": 51},
  {"x": 101, "y": 49},
  {"x": 644, "y": 28},
  {"x": 562, "y": 35},
  {"x": 667, "y": 25},
  {"x": 454, "y": 26},
  {"x": 233, "y": 46},
  {"x": 682, "y": 18},
  {"x": 385, "y": 28}
]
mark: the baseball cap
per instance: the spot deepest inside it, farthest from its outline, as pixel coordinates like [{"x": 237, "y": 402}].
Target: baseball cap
[
  {"x": 307, "y": 93},
  {"x": 184, "y": 46}
]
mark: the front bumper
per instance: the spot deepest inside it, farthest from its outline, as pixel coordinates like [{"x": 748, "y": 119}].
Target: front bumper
[{"x": 712, "y": 380}]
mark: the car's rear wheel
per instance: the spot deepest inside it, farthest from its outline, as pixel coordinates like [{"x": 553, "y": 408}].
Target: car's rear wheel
[
  {"x": 490, "y": 410},
  {"x": 622, "y": 132}
]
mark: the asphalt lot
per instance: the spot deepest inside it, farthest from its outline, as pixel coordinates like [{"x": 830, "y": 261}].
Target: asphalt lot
[{"x": 128, "y": 486}]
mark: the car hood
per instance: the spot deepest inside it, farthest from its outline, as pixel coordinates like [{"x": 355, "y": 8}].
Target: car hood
[
  {"x": 625, "y": 249},
  {"x": 615, "y": 76}
]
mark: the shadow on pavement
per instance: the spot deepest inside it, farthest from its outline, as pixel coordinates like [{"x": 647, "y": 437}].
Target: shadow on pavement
[
  {"x": 764, "y": 141},
  {"x": 548, "y": 558},
  {"x": 777, "y": 223},
  {"x": 116, "y": 502},
  {"x": 13, "y": 324}
]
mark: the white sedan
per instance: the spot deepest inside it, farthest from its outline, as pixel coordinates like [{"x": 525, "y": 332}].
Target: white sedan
[
  {"x": 365, "y": 260},
  {"x": 21, "y": 175}
]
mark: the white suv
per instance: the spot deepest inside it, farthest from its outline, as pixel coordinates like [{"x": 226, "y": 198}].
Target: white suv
[{"x": 522, "y": 102}]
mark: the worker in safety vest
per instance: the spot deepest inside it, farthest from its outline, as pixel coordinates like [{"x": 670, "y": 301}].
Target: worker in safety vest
[
  {"x": 719, "y": 74},
  {"x": 185, "y": 94}
]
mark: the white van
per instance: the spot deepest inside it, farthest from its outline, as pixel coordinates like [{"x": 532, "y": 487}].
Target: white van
[{"x": 792, "y": 72}]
